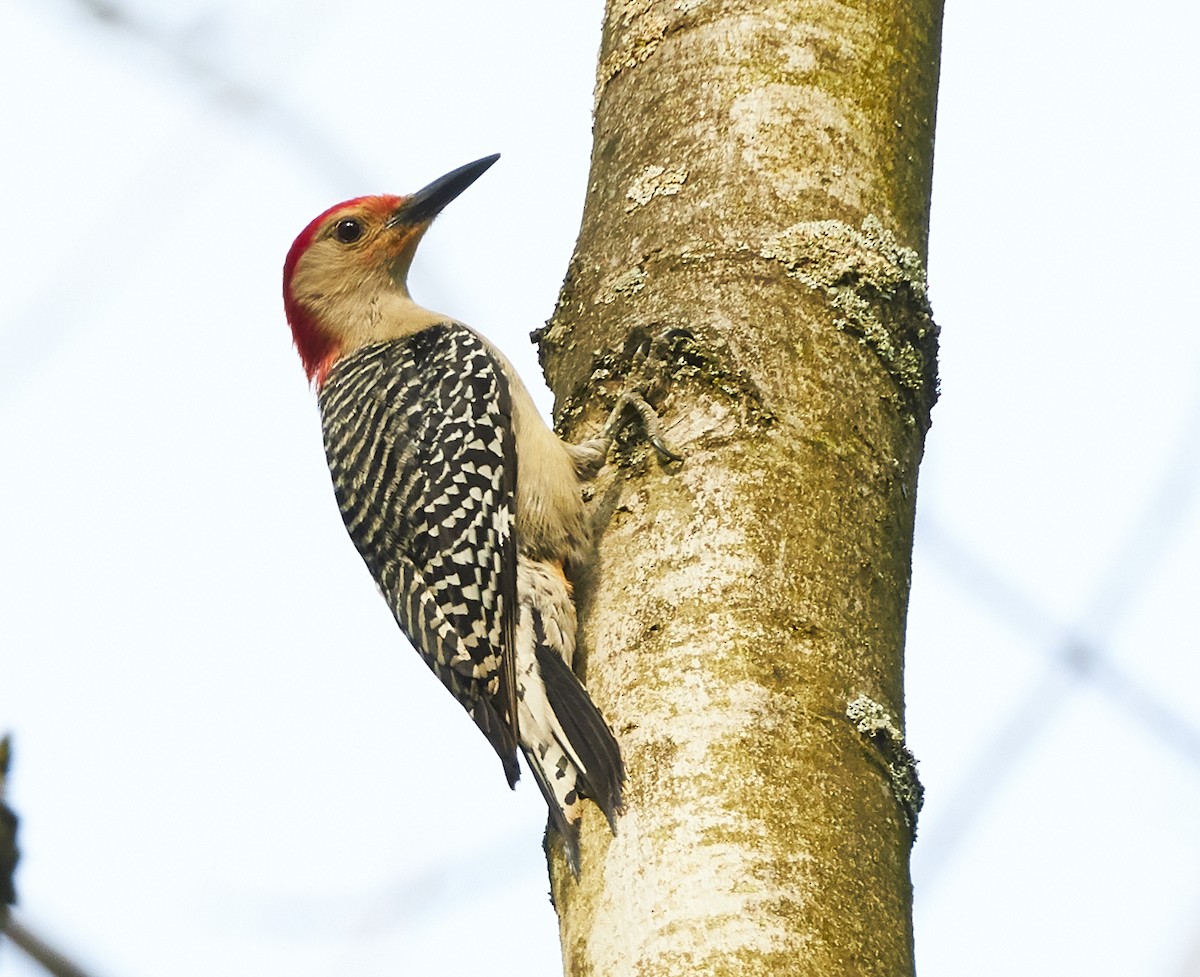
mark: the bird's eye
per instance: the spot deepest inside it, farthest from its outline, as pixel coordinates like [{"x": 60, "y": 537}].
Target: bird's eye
[{"x": 348, "y": 230}]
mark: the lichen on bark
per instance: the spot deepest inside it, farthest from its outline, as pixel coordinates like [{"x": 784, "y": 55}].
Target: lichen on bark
[{"x": 877, "y": 287}]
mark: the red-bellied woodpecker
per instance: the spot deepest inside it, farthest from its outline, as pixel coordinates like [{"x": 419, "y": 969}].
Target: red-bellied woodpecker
[{"x": 464, "y": 505}]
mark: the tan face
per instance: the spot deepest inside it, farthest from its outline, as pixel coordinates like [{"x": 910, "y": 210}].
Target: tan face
[{"x": 353, "y": 269}]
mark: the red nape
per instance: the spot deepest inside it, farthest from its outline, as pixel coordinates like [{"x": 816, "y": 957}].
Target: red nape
[
  {"x": 327, "y": 363},
  {"x": 317, "y": 351}
]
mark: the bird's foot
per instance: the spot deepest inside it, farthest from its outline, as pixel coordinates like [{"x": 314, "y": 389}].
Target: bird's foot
[
  {"x": 649, "y": 419},
  {"x": 646, "y": 379}
]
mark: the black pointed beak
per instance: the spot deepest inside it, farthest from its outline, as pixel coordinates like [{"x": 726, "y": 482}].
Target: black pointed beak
[{"x": 427, "y": 203}]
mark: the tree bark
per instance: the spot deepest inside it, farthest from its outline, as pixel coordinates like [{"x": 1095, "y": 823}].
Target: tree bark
[{"x": 760, "y": 178}]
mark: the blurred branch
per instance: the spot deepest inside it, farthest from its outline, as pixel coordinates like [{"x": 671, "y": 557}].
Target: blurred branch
[
  {"x": 1085, "y": 659},
  {"x": 38, "y": 949},
  {"x": 993, "y": 764},
  {"x": 1081, "y": 659},
  {"x": 234, "y": 94},
  {"x": 9, "y": 852},
  {"x": 1153, "y": 531},
  {"x": 1190, "y": 967}
]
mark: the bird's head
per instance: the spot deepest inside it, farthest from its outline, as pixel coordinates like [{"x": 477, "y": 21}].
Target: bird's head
[{"x": 345, "y": 277}]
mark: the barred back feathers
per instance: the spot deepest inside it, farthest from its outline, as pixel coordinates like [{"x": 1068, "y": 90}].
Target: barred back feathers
[
  {"x": 418, "y": 436},
  {"x": 423, "y": 449}
]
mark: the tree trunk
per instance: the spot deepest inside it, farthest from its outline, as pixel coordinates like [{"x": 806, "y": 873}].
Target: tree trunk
[{"x": 760, "y": 178}]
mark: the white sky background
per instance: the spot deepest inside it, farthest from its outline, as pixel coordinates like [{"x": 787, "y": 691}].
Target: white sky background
[{"x": 227, "y": 761}]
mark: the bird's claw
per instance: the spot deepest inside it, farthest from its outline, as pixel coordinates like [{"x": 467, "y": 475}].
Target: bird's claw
[
  {"x": 664, "y": 452},
  {"x": 650, "y": 421}
]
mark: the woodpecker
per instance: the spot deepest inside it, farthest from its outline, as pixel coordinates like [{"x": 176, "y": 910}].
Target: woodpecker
[{"x": 464, "y": 505}]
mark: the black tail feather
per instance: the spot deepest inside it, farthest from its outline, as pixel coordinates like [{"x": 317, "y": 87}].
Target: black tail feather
[{"x": 588, "y": 734}]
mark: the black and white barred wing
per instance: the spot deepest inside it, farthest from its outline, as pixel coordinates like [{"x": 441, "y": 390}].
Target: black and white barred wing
[{"x": 419, "y": 438}]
